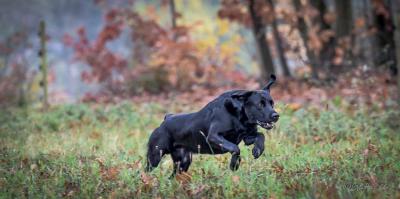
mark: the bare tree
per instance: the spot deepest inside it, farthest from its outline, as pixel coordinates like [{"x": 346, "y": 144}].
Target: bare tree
[
  {"x": 344, "y": 23},
  {"x": 325, "y": 55},
  {"x": 278, "y": 41},
  {"x": 261, "y": 40},
  {"x": 302, "y": 26},
  {"x": 364, "y": 46},
  {"x": 172, "y": 13},
  {"x": 43, "y": 65},
  {"x": 395, "y": 6}
]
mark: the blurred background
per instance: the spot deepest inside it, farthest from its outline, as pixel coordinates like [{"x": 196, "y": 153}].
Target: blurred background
[{"x": 69, "y": 51}]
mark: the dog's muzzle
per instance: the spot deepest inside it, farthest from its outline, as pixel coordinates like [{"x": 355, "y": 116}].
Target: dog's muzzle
[{"x": 266, "y": 125}]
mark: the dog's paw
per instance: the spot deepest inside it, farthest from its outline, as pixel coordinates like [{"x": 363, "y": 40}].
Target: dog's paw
[
  {"x": 235, "y": 162},
  {"x": 257, "y": 152}
]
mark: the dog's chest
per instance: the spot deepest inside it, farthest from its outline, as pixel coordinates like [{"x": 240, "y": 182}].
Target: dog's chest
[
  {"x": 242, "y": 127},
  {"x": 239, "y": 132}
]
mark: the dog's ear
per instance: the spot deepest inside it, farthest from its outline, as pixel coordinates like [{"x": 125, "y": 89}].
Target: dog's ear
[
  {"x": 233, "y": 106},
  {"x": 271, "y": 81},
  {"x": 242, "y": 95}
]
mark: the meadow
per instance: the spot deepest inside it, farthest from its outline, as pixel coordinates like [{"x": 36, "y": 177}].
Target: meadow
[{"x": 97, "y": 151}]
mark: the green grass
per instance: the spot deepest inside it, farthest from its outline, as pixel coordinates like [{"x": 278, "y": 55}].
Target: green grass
[{"x": 97, "y": 151}]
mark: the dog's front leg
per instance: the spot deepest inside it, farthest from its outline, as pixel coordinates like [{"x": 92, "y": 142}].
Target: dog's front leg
[
  {"x": 258, "y": 140},
  {"x": 218, "y": 141}
]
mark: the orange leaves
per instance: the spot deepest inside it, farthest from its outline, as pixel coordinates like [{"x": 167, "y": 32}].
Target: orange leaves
[
  {"x": 184, "y": 178},
  {"x": 339, "y": 56},
  {"x": 147, "y": 179},
  {"x": 179, "y": 60},
  {"x": 369, "y": 151},
  {"x": 180, "y": 63},
  {"x": 329, "y": 17},
  {"x": 237, "y": 11},
  {"x": 360, "y": 23},
  {"x": 372, "y": 148},
  {"x": 236, "y": 179},
  {"x": 317, "y": 138},
  {"x": 166, "y": 58},
  {"x": 111, "y": 173},
  {"x": 107, "y": 173},
  {"x": 277, "y": 167},
  {"x": 96, "y": 54},
  {"x": 95, "y": 135},
  {"x": 294, "y": 106},
  {"x": 148, "y": 182},
  {"x": 318, "y": 38},
  {"x": 326, "y": 35},
  {"x": 234, "y": 10}
]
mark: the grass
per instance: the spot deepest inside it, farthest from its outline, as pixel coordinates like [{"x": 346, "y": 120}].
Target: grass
[{"x": 97, "y": 151}]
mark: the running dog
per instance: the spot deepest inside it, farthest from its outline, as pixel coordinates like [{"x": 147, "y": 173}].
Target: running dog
[{"x": 216, "y": 129}]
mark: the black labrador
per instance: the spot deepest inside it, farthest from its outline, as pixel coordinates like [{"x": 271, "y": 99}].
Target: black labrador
[{"x": 216, "y": 129}]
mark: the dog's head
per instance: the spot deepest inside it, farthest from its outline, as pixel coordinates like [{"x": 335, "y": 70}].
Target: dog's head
[{"x": 257, "y": 107}]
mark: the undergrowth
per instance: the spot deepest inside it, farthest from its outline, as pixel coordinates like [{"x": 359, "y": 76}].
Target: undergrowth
[{"x": 98, "y": 151}]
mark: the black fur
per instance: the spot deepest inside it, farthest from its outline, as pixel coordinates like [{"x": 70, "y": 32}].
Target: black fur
[{"x": 216, "y": 129}]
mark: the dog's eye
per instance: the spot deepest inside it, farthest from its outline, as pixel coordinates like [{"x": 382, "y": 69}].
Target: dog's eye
[
  {"x": 271, "y": 102},
  {"x": 262, "y": 103}
]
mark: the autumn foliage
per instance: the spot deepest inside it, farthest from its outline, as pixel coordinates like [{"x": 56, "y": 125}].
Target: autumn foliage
[
  {"x": 163, "y": 58},
  {"x": 96, "y": 54}
]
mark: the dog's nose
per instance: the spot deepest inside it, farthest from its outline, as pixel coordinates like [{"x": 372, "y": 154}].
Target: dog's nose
[{"x": 275, "y": 116}]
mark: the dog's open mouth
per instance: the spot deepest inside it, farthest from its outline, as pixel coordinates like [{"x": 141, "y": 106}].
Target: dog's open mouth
[{"x": 266, "y": 125}]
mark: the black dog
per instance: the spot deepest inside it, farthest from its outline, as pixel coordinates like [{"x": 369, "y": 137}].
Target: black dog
[{"x": 216, "y": 129}]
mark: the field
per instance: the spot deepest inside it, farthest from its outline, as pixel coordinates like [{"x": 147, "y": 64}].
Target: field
[{"x": 97, "y": 151}]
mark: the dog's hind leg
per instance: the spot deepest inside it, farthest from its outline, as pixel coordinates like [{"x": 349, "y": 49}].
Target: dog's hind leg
[
  {"x": 159, "y": 145},
  {"x": 182, "y": 159}
]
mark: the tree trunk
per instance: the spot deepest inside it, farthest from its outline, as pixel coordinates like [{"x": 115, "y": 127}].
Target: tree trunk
[
  {"x": 386, "y": 55},
  {"x": 343, "y": 31},
  {"x": 325, "y": 56},
  {"x": 344, "y": 23},
  {"x": 172, "y": 13},
  {"x": 364, "y": 46},
  {"x": 43, "y": 64},
  {"x": 278, "y": 41},
  {"x": 302, "y": 26},
  {"x": 262, "y": 43},
  {"x": 395, "y": 4}
]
